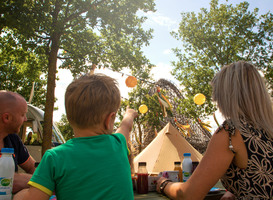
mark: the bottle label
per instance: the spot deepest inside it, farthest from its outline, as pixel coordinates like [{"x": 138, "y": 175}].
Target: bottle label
[
  {"x": 186, "y": 176},
  {"x": 5, "y": 186}
]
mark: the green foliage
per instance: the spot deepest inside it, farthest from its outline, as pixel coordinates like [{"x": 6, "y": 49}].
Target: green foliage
[
  {"x": 216, "y": 37},
  {"x": 65, "y": 128},
  {"x": 80, "y": 33},
  {"x": 114, "y": 41},
  {"x": 20, "y": 67},
  {"x": 103, "y": 32}
]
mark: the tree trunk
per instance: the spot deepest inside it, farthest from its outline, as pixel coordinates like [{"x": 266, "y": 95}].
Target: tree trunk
[
  {"x": 139, "y": 137},
  {"x": 51, "y": 79},
  {"x": 50, "y": 95}
]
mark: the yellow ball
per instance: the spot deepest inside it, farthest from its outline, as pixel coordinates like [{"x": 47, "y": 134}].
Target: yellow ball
[
  {"x": 199, "y": 99},
  {"x": 143, "y": 109}
]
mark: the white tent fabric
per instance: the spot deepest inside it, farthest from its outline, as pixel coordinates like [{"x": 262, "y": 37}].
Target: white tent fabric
[{"x": 168, "y": 147}]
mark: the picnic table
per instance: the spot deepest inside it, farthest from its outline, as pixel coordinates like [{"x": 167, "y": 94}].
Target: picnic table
[{"x": 154, "y": 195}]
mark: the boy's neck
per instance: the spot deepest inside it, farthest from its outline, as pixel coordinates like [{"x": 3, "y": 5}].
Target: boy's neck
[{"x": 89, "y": 132}]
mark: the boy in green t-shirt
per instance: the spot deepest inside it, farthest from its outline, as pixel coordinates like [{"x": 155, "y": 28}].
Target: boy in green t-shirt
[{"x": 94, "y": 164}]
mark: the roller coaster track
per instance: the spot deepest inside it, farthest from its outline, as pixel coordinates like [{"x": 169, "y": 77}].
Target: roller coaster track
[{"x": 201, "y": 136}]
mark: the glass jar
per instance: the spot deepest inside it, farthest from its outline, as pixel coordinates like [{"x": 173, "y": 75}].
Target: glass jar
[
  {"x": 142, "y": 178},
  {"x": 177, "y": 167}
]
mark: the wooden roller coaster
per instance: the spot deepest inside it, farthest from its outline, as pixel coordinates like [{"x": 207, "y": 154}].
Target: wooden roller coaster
[{"x": 200, "y": 137}]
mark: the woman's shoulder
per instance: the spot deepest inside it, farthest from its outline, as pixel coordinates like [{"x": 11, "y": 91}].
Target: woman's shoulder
[{"x": 228, "y": 126}]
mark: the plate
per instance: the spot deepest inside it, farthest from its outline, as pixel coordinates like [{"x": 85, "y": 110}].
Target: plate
[{"x": 214, "y": 190}]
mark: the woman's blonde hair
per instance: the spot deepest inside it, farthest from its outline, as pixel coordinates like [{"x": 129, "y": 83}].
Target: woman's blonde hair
[
  {"x": 90, "y": 98},
  {"x": 240, "y": 93}
]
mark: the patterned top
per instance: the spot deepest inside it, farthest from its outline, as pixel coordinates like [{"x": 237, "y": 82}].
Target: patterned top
[{"x": 256, "y": 181}]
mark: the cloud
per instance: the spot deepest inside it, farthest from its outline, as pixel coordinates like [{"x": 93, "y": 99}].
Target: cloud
[
  {"x": 161, "y": 20},
  {"x": 162, "y": 70},
  {"x": 167, "y": 51}
]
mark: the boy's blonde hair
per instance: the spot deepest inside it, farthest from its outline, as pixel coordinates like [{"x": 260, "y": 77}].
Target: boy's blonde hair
[
  {"x": 90, "y": 98},
  {"x": 240, "y": 92}
]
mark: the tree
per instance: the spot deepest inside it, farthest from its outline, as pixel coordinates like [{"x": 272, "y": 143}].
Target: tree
[
  {"x": 65, "y": 128},
  {"x": 83, "y": 34},
  {"x": 20, "y": 68},
  {"x": 216, "y": 37}
]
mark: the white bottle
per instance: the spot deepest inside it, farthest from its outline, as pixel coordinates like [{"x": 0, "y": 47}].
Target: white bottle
[
  {"x": 7, "y": 169},
  {"x": 187, "y": 166}
]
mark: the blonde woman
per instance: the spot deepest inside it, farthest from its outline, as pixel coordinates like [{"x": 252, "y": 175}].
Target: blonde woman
[{"x": 240, "y": 153}]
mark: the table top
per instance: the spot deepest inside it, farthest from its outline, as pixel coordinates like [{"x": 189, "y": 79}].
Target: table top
[
  {"x": 155, "y": 195},
  {"x": 150, "y": 195}
]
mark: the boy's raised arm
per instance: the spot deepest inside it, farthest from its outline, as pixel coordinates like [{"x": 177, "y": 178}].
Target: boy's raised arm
[{"x": 127, "y": 122}]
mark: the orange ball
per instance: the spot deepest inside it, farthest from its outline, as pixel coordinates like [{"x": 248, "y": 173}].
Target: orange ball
[{"x": 131, "y": 81}]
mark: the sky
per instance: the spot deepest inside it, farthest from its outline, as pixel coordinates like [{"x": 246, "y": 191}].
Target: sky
[{"x": 166, "y": 19}]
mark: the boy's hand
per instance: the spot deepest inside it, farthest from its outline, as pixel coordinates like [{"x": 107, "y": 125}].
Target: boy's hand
[{"x": 130, "y": 114}]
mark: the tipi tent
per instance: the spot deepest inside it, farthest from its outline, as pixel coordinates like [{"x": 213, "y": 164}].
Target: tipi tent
[{"x": 168, "y": 147}]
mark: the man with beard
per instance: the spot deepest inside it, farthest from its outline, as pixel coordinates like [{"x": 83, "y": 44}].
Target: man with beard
[{"x": 13, "y": 109}]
